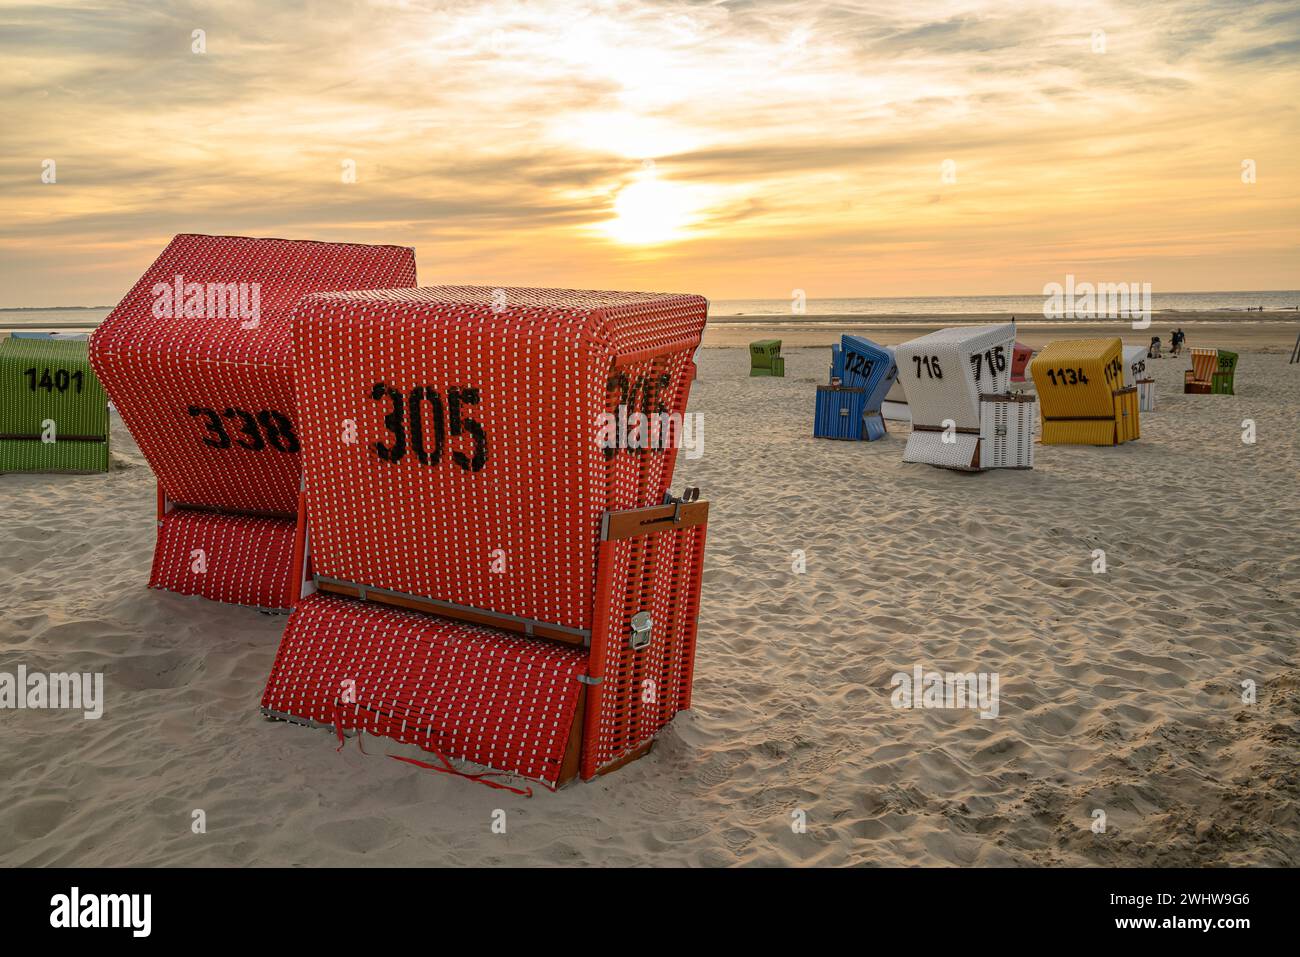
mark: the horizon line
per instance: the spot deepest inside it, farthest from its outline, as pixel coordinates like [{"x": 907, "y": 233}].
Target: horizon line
[{"x": 991, "y": 295}]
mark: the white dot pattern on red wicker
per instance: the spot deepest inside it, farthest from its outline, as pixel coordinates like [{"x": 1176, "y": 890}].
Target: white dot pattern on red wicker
[
  {"x": 499, "y": 700},
  {"x": 239, "y": 559},
  {"x": 209, "y": 398},
  {"x": 534, "y": 376}
]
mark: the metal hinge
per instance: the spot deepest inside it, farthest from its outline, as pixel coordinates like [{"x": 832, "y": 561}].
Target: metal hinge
[{"x": 641, "y": 627}]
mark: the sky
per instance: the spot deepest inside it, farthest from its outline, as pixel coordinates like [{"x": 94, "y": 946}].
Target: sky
[{"x": 733, "y": 149}]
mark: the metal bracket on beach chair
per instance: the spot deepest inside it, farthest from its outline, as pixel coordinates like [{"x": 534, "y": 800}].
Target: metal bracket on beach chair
[
  {"x": 689, "y": 494},
  {"x": 642, "y": 624}
]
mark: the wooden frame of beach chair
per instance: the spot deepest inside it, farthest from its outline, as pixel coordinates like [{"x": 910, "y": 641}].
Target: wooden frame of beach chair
[
  {"x": 197, "y": 358},
  {"x": 502, "y": 581},
  {"x": 765, "y": 358},
  {"x": 53, "y": 409},
  {"x": 1199, "y": 379},
  {"x": 870, "y": 367},
  {"x": 1137, "y": 375},
  {"x": 1222, "y": 380},
  {"x": 1082, "y": 393},
  {"x": 950, "y": 375}
]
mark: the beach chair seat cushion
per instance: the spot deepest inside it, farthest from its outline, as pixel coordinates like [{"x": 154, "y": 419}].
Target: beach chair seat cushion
[{"x": 1199, "y": 379}]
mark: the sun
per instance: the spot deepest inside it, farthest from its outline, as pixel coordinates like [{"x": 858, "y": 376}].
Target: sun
[{"x": 649, "y": 211}]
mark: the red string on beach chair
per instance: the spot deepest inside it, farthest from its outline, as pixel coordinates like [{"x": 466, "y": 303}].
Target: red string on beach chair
[{"x": 482, "y": 777}]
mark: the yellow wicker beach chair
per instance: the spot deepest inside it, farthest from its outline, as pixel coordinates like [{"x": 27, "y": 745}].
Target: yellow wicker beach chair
[{"x": 1081, "y": 390}]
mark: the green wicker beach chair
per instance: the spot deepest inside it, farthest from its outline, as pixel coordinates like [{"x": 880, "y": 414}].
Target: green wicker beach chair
[
  {"x": 1221, "y": 381},
  {"x": 53, "y": 411},
  {"x": 765, "y": 358}
]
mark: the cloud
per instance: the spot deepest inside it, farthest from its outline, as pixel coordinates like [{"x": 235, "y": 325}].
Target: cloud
[{"x": 499, "y": 135}]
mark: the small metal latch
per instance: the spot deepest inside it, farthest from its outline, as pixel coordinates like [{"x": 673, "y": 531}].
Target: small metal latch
[
  {"x": 641, "y": 625},
  {"x": 844, "y": 412},
  {"x": 1000, "y": 430},
  {"x": 689, "y": 494},
  {"x": 588, "y": 680}
]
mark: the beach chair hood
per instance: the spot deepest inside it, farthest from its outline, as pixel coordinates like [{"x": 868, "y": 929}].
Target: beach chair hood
[{"x": 197, "y": 359}]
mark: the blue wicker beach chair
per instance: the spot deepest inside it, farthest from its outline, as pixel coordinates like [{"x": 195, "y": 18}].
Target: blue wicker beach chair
[{"x": 869, "y": 367}]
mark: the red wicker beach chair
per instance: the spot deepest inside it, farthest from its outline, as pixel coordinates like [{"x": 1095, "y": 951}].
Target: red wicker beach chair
[
  {"x": 197, "y": 360},
  {"x": 1020, "y": 356},
  {"x": 503, "y": 576}
]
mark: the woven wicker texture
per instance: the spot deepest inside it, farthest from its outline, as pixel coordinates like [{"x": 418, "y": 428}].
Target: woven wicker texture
[
  {"x": 944, "y": 374},
  {"x": 498, "y": 700},
  {"x": 1127, "y": 423},
  {"x": 1222, "y": 380},
  {"x": 239, "y": 559},
  {"x": 763, "y": 356},
  {"x": 839, "y": 413},
  {"x": 1007, "y": 434},
  {"x": 49, "y": 391},
  {"x": 928, "y": 448},
  {"x": 1204, "y": 364},
  {"x": 33, "y": 455},
  {"x": 1135, "y": 365},
  {"x": 870, "y": 367},
  {"x": 1020, "y": 357},
  {"x": 50, "y": 379},
  {"x": 958, "y": 371},
  {"x": 1076, "y": 381},
  {"x": 208, "y": 398},
  {"x": 452, "y": 436},
  {"x": 642, "y": 689}
]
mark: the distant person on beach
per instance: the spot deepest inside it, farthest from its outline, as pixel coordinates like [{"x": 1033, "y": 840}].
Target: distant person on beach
[{"x": 1153, "y": 350}]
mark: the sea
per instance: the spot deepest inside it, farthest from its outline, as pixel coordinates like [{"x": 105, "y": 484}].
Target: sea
[{"x": 1279, "y": 305}]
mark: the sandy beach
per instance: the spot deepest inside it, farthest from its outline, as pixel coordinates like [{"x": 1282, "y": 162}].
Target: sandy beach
[{"x": 1120, "y": 692}]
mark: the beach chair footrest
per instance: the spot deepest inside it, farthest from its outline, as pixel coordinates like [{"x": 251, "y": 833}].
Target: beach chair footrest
[{"x": 240, "y": 559}]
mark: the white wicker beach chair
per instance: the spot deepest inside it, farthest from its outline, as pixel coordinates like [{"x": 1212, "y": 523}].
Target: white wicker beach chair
[
  {"x": 963, "y": 414},
  {"x": 1137, "y": 374}
]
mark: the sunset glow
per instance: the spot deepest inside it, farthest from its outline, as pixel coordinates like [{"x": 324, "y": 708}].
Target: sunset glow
[{"x": 737, "y": 150}]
